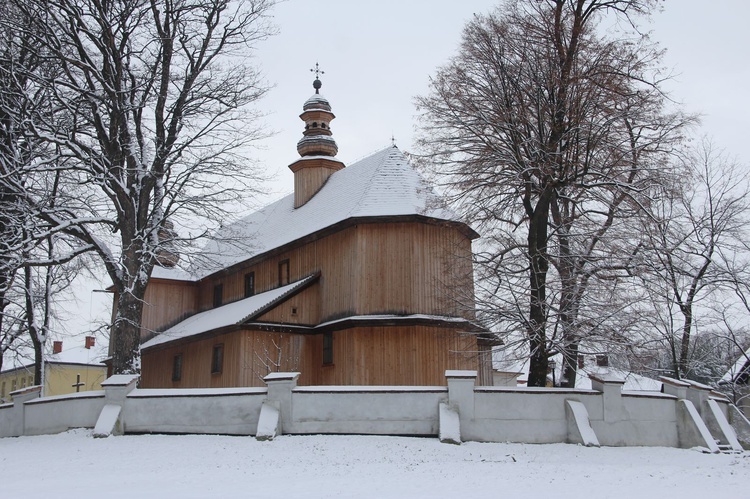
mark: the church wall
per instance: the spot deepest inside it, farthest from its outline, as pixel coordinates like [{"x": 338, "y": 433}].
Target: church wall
[
  {"x": 392, "y": 355},
  {"x": 371, "y": 268},
  {"x": 414, "y": 268},
  {"x": 156, "y": 370},
  {"x": 302, "y": 309},
  {"x": 334, "y": 256},
  {"x": 381, "y": 355},
  {"x": 166, "y": 303}
]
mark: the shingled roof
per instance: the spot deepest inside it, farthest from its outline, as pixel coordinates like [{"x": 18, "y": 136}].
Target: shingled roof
[{"x": 381, "y": 185}]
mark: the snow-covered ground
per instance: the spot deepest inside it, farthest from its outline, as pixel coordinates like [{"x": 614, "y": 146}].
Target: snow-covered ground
[{"x": 74, "y": 465}]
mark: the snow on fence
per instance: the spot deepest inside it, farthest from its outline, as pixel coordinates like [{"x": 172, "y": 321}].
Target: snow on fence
[{"x": 684, "y": 414}]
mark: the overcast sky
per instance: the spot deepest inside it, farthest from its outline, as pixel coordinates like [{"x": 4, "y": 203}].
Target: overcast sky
[{"x": 378, "y": 55}]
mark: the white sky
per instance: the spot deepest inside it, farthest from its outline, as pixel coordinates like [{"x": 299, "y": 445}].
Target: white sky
[{"x": 377, "y": 56}]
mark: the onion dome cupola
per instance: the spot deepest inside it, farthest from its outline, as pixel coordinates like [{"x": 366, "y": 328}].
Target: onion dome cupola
[{"x": 317, "y": 147}]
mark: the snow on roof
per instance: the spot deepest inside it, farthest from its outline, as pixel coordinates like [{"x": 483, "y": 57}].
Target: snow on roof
[
  {"x": 70, "y": 355},
  {"x": 174, "y": 273},
  {"x": 737, "y": 368},
  {"x": 633, "y": 381},
  {"x": 383, "y": 184},
  {"x": 226, "y": 315},
  {"x": 80, "y": 355}
]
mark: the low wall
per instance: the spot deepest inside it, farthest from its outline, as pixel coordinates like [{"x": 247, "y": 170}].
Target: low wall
[
  {"x": 63, "y": 412},
  {"x": 366, "y": 410},
  {"x": 604, "y": 415},
  {"x": 231, "y": 411}
]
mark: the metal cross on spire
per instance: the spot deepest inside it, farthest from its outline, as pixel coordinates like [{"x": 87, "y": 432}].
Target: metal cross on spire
[{"x": 317, "y": 84}]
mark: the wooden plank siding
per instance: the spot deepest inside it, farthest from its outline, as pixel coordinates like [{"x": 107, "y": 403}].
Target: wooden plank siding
[
  {"x": 380, "y": 268},
  {"x": 333, "y": 256},
  {"x": 391, "y": 355},
  {"x": 165, "y": 304},
  {"x": 388, "y": 355},
  {"x": 402, "y": 268},
  {"x": 300, "y": 309},
  {"x": 414, "y": 268},
  {"x": 156, "y": 366}
]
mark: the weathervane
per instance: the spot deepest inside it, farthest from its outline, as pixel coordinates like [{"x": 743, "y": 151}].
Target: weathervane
[
  {"x": 393, "y": 140},
  {"x": 317, "y": 84}
]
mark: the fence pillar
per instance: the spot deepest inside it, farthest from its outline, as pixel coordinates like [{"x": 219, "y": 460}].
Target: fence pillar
[
  {"x": 18, "y": 420},
  {"x": 674, "y": 387},
  {"x": 611, "y": 388},
  {"x": 461, "y": 393},
  {"x": 691, "y": 429},
  {"x": 116, "y": 389},
  {"x": 280, "y": 386},
  {"x": 698, "y": 394}
]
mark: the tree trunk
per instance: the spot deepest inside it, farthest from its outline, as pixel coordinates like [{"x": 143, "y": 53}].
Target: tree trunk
[
  {"x": 126, "y": 332},
  {"x": 33, "y": 326},
  {"x": 539, "y": 265},
  {"x": 687, "y": 311}
]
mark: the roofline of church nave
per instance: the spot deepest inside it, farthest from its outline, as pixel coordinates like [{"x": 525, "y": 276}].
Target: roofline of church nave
[
  {"x": 327, "y": 231},
  {"x": 341, "y": 324}
]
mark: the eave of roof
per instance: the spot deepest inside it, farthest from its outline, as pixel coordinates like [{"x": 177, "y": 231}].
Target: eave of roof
[
  {"x": 231, "y": 314},
  {"x": 458, "y": 323}
]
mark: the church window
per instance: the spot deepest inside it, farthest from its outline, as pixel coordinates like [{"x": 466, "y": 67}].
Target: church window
[
  {"x": 327, "y": 348},
  {"x": 23, "y": 382},
  {"x": 218, "y": 295},
  {"x": 217, "y": 359},
  {"x": 315, "y": 124},
  {"x": 2, "y": 392},
  {"x": 249, "y": 284},
  {"x": 284, "y": 272},
  {"x": 177, "y": 367},
  {"x": 13, "y": 386}
]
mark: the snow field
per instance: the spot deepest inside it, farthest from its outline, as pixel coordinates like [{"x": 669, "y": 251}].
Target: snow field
[{"x": 75, "y": 465}]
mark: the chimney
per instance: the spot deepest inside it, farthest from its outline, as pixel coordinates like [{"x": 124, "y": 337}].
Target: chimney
[
  {"x": 56, "y": 347},
  {"x": 90, "y": 341}
]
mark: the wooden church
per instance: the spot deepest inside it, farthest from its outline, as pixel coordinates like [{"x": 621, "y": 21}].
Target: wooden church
[{"x": 360, "y": 277}]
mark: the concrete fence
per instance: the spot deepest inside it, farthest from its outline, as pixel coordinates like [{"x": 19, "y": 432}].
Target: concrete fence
[{"x": 685, "y": 414}]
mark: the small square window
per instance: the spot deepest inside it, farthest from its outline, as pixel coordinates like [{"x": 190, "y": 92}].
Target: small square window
[
  {"x": 327, "y": 348},
  {"x": 218, "y": 295},
  {"x": 177, "y": 367},
  {"x": 217, "y": 359},
  {"x": 249, "y": 284}
]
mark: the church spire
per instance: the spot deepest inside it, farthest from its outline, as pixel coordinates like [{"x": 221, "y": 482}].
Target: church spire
[
  {"x": 317, "y": 138},
  {"x": 317, "y": 147}
]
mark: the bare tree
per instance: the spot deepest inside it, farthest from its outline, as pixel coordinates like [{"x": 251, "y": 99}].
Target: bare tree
[
  {"x": 695, "y": 249},
  {"x": 542, "y": 123},
  {"x": 151, "y": 112}
]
